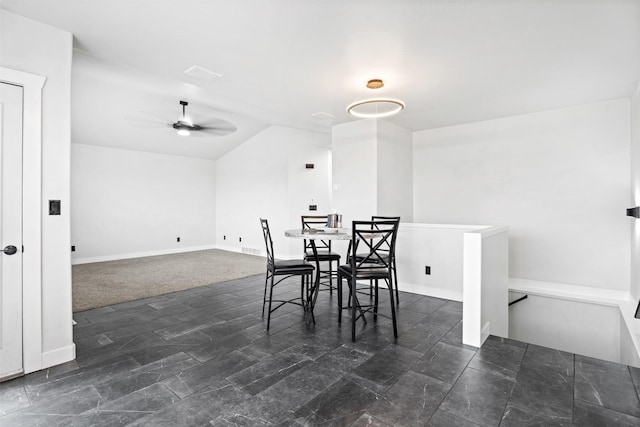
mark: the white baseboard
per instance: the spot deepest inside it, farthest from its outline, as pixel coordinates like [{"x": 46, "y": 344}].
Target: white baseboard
[
  {"x": 486, "y": 331},
  {"x": 229, "y": 248},
  {"x": 116, "y": 257},
  {"x": 430, "y": 291},
  {"x": 58, "y": 356}
]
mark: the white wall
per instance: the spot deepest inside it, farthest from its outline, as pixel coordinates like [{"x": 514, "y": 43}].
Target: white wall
[
  {"x": 635, "y": 193},
  {"x": 395, "y": 171},
  {"x": 43, "y": 50},
  {"x": 372, "y": 170},
  {"x": 628, "y": 351},
  {"x": 574, "y": 326},
  {"x": 266, "y": 178},
  {"x": 354, "y": 172},
  {"x": 559, "y": 179},
  {"x": 437, "y": 246},
  {"x": 131, "y": 203},
  {"x": 308, "y": 186}
]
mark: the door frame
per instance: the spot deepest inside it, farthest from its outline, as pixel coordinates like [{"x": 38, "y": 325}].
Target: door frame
[{"x": 31, "y": 214}]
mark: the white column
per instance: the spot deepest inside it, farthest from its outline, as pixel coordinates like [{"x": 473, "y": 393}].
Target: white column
[{"x": 372, "y": 170}]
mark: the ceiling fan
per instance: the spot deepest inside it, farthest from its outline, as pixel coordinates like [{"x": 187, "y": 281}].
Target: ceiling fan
[{"x": 185, "y": 126}]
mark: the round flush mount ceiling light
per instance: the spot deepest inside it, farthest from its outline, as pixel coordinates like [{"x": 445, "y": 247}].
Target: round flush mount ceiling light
[{"x": 375, "y": 107}]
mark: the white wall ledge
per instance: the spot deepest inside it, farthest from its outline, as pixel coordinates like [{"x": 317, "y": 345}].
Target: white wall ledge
[
  {"x": 568, "y": 292},
  {"x": 452, "y": 226},
  {"x": 621, "y": 300}
]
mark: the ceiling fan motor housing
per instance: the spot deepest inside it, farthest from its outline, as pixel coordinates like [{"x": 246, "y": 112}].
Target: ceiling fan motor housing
[
  {"x": 180, "y": 125},
  {"x": 183, "y": 124}
]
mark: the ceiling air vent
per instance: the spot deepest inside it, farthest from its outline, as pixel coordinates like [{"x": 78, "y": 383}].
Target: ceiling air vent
[{"x": 198, "y": 72}]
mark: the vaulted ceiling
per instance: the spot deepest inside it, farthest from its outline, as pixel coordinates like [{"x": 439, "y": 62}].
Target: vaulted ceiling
[{"x": 282, "y": 61}]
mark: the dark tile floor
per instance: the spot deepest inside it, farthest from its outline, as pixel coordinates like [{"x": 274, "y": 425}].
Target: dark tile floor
[{"x": 202, "y": 357}]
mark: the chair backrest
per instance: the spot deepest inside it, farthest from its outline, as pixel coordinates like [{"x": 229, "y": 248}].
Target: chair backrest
[
  {"x": 374, "y": 244},
  {"x": 375, "y": 218},
  {"x": 315, "y": 221},
  {"x": 385, "y": 218},
  {"x": 267, "y": 241}
]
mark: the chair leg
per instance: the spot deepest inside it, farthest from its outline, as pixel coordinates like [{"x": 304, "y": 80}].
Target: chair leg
[
  {"x": 302, "y": 293},
  {"x": 352, "y": 284},
  {"x": 305, "y": 286},
  {"x": 330, "y": 277},
  {"x": 375, "y": 302},
  {"x": 309, "y": 280},
  {"x": 339, "y": 291},
  {"x": 395, "y": 281},
  {"x": 393, "y": 309},
  {"x": 264, "y": 298},
  {"x": 270, "y": 298}
]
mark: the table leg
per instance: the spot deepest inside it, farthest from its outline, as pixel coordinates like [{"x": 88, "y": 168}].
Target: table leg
[{"x": 313, "y": 295}]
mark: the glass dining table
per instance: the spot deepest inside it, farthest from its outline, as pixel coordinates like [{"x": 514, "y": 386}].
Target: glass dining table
[{"x": 313, "y": 234}]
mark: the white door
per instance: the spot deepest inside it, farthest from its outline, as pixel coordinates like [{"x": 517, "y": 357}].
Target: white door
[{"x": 11, "y": 98}]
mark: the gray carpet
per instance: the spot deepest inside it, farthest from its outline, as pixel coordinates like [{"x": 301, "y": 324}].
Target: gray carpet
[{"x": 106, "y": 283}]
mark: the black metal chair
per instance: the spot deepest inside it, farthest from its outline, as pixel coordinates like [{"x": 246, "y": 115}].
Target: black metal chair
[
  {"x": 286, "y": 269},
  {"x": 323, "y": 250},
  {"x": 376, "y": 241},
  {"x": 385, "y": 253}
]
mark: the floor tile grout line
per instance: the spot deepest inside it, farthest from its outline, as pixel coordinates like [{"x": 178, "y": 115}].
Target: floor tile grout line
[
  {"x": 636, "y": 387},
  {"x": 454, "y": 383},
  {"x": 255, "y": 333},
  {"x": 573, "y": 391},
  {"x": 508, "y": 400}
]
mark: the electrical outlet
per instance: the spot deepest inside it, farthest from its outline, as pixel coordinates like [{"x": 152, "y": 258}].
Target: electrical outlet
[
  {"x": 178, "y": 239},
  {"x": 239, "y": 239},
  {"x": 313, "y": 207},
  {"x": 73, "y": 248},
  {"x": 427, "y": 269},
  {"x": 224, "y": 237}
]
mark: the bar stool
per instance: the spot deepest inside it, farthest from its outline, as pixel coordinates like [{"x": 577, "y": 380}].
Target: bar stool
[
  {"x": 286, "y": 269},
  {"x": 375, "y": 241},
  {"x": 323, "y": 248},
  {"x": 385, "y": 252}
]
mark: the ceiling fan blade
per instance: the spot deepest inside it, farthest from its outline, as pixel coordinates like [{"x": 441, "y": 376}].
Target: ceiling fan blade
[
  {"x": 217, "y": 127},
  {"x": 157, "y": 119},
  {"x": 146, "y": 120},
  {"x": 215, "y": 132}
]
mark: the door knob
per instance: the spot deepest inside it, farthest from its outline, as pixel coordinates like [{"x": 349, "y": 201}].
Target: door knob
[{"x": 10, "y": 250}]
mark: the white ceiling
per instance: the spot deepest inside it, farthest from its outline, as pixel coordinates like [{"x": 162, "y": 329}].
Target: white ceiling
[{"x": 281, "y": 61}]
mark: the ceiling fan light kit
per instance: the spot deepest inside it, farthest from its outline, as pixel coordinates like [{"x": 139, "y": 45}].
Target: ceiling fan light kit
[{"x": 375, "y": 107}]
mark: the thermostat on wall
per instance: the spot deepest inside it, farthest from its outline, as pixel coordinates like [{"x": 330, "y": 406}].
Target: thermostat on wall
[{"x": 54, "y": 207}]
